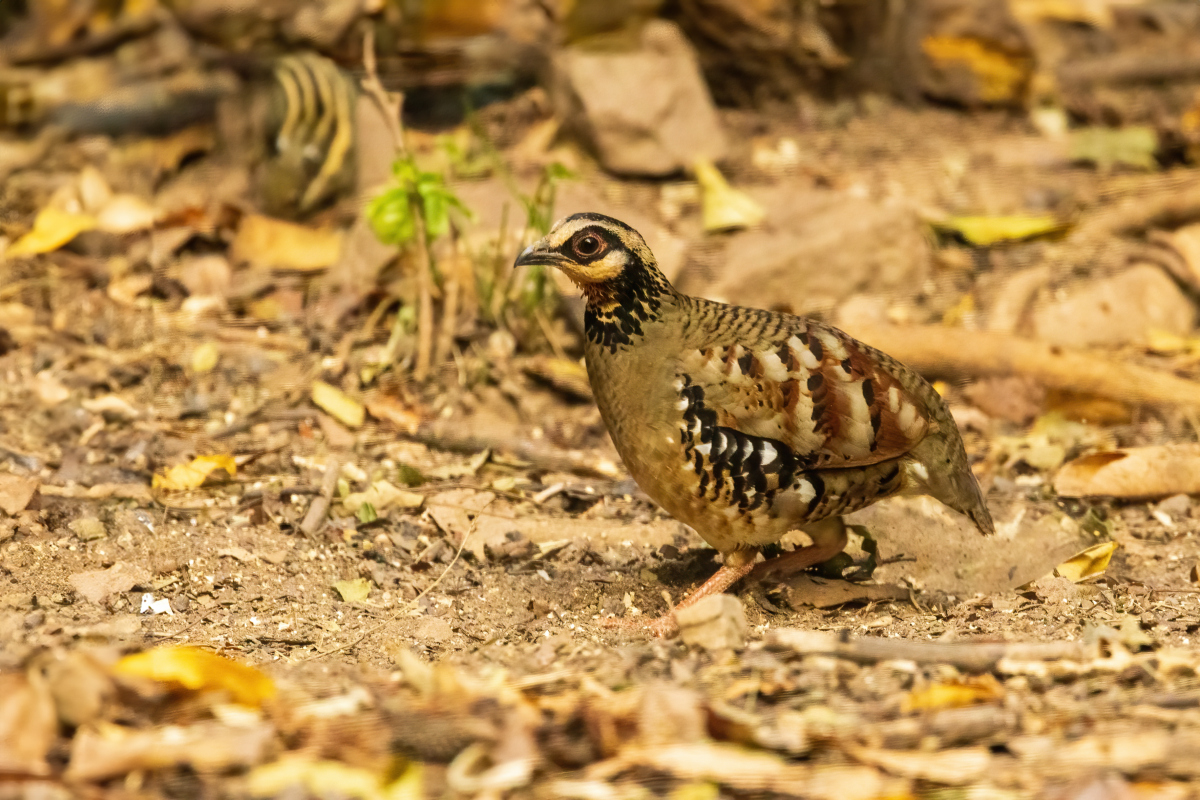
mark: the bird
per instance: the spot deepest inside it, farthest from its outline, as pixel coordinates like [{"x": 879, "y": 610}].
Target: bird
[{"x": 744, "y": 423}]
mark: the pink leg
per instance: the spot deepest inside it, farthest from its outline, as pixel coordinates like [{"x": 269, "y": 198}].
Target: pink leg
[
  {"x": 737, "y": 565},
  {"x": 829, "y": 539}
]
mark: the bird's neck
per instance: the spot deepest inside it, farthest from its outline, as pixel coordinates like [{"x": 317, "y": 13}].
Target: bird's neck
[{"x": 620, "y": 310}]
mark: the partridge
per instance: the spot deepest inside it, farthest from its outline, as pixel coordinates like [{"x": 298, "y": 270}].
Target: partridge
[{"x": 745, "y": 424}]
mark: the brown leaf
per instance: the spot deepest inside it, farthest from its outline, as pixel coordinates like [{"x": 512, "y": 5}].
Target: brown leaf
[
  {"x": 1133, "y": 473},
  {"x": 28, "y": 724},
  {"x": 264, "y": 242},
  {"x": 112, "y": 750},
  {"x": 99, "y": 584},
  {"x": 16, "y": 492}
]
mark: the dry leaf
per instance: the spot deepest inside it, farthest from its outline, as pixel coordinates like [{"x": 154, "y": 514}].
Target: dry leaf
[
  {"x": 198, "y": 670},
  {"x": 52, "y": 228},
  {"x": 952, "y": 767},
  {"x": 49, "y": 390},
  {"x": 967, "y": 692},
  {"x": 1132, "y": 146},
  {"x": 97, "y": 585},
  {"x": 389, "y": 409},
  {"x": 1088, "y": 564},
  {"x": 209, "y": 747},
  {"x": 205, "y": 358},
  {"x": 987, "y": 231},
  {"x": 265, "y": 242},
  {"x": 724, "y": 208},
  {"x": 16, "y": 492},
  {"x": 1133, "y": 473},
  {"x": 381, "y": 495},
  {"x": 353, "y": 591},
  {"x": 1186, "y": 241},
  {"x": 126, "y": 213},
  {"x": 192, "y": 475},
  {"x": 28, "y": 724},
  {"x": 317, "y": 778},
  {"x": 1000, "y": 76},
  {"x": 337, "y": 404}
]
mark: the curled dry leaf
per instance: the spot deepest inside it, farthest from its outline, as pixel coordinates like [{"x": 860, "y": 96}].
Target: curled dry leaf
[
  {"x": 98, "y": 585},
  {"x": 1133, "y": 473},
  {"x": 1088, "y": 564}
]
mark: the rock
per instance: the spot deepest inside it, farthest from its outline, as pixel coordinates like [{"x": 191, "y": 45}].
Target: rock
[
  {"x": 715, "y": 623},
  {"x": 818, "y": 248},
  {"x": 644, "y": 112},
  {"x": 1116, "y": 310}
]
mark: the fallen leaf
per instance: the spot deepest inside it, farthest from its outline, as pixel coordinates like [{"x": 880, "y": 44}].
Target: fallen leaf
[
  {"x": 723, "y": 207},
  {"x": 16, "y": 492},
  {"x": 967, "y": 692},
  {"x": 209, "y": 747},
  {"x": 264, "y": 242},
  {"x": 1088, "y": 12},
  {"x": 49, "y": 390},
  {"x": 97, "y": 585},
  {"x": 1001, "y": 76},
  {"x": 192, "y": 475},
  {"x": 1133, "y": 146},
  {"x": 28, "y": 723},
  {"x": 382, "y": 495},
  {"x": 1087, "y": 564},
  {"x": 353, "y": 591},
  {"x": 320, "y": 778},
  {"x": 197, "y": 670},
  {"x": 810, "y": 590},
  {"x": 126, "y": 213},
  {"x": 953, "y": 767},
  {"x": 986, "y": 231},
  {"x": 101, "y": 491},
  {"x": 205, "y": 357},
  {"x": 1133, "y": 473},
  {"x": 337, "y": 404},
  {"x": 52, "y": 228},
  {"x": 111, "y": 406},
  {"x": 389, "y": 409}
]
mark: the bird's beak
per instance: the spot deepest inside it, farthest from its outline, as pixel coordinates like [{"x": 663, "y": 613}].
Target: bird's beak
[{"x": 540, "y": 254}]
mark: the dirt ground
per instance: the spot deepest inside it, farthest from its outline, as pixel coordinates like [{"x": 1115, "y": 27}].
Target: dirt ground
[{"x": 497, "y": 564}]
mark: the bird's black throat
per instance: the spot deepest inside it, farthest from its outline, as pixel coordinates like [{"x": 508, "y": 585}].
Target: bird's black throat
[{"x": 619, "y": 309}]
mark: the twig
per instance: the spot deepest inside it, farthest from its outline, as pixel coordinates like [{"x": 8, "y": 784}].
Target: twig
[
  {"x": 320, "y": 504},
  {"x": 391, "y": 104},
  {"x": 445, "y": 338},
  {"x": 938, "y": 350},
  {"x": 971, "y": 656},
  {"x": 411, "y": 604},
  {"x": 1130, "y": 68}
]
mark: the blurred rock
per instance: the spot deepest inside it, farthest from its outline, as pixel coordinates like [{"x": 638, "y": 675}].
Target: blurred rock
[
  {"x": 818, "y": 248},
  {"x": 1116, "y": 310},
  {"x": 715, "y": 623},
  {"x": 643, "y": 112}
]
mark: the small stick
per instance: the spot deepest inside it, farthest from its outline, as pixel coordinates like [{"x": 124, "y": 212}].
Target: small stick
[
  {"x": 971, "y": 656},
  {"x": 934, "y": 349},
  {"x": 320, "y": 504}
]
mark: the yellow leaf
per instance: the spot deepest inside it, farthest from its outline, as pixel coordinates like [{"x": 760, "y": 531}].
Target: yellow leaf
[
  {"x": 51, "y": 230},
  {"x": 337, "y": 404},
  {"x": 332, "y": 778},
  {"x": 980, "y": 689},
  {"x": 723, "y": 207},
  {"x": 272, "y": 243},
  {"x": 191, "y": 476},
  {"x": 199, "y": 670},
  {"x": 353, "y": 591},
  {"x": 987, "y": 231},
  {"x": 1132, "y": 146},
  {"x": 1001, "y": 76},
  {"x": 205, "y": 357},
  {"x": 1088, "y": 564}
]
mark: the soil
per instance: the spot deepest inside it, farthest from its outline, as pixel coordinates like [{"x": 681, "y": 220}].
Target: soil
[{"x": 504, "y": 570}]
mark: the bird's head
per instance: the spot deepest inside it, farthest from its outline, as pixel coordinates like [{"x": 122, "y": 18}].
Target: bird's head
[{"x": 608, "y": 260}]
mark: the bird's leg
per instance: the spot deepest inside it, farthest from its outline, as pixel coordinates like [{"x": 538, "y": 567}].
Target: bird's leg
[
  {"x": 829, "y": 538},
  {"x": 737, "y": 565}
]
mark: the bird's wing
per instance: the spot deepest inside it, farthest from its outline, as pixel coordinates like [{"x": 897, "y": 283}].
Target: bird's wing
[{"x": 833, "y": 401}]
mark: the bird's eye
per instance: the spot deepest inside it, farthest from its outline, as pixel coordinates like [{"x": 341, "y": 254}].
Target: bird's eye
[{"x": 588, "y": 246}]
